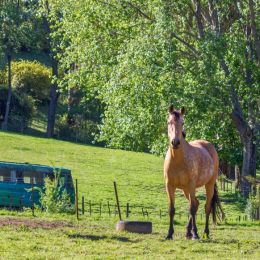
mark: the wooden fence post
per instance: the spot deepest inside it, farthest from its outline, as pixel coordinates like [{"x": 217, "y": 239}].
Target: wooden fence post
[
  {"x": 117, "y": 201},
  {"x": 33, "y": 199},
  {"x": 77, "y": 201},
  {"x": 259, "y": 202},
  {"x": 127, "y": 209},
  {"x": 83, "y": 205},
  {"x": 109, "y": 211},
  {"x": 90, "y": 208}
]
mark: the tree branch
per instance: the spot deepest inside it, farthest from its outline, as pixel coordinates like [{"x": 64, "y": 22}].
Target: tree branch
[
  {"x": 190, "y": 47},
  {"x": 254, "y": 29},
  {"x": 199, "y": 18},
  {"x": 138, "y": 9}
]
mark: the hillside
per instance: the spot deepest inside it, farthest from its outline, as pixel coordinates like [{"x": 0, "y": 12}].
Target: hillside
[
  {"x": 140, "y": 182},
  {"x": 139, "y": 176}
]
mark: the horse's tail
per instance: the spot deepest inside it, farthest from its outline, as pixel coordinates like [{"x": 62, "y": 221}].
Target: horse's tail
[{"x": 216, "y": 208}]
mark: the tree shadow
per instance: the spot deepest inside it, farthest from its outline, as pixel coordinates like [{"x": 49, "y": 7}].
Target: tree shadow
[
  {"x": 235, "y": 199},
  {"x": 229, "y": 198}
]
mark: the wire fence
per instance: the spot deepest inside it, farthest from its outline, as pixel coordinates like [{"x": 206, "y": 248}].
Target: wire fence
[
  {"x": 137, "y": 206},
  {"x": 137, "y": 199}
]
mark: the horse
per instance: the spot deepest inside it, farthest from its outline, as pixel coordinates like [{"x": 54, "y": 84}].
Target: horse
[{"x": 188, "y": 166}]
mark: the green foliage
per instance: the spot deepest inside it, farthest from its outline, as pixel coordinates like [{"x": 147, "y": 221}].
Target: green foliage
[
  {"x": 252, "y": 206},
  {"x": 79, "y": 130},
  {"x": 15, "y": 26},
  {"x": 31, "y": 78},
  {"x": 21, "y": 109},
  {"x": 54, "y": 198}
]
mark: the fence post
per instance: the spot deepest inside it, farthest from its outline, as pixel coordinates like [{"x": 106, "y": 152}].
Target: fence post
[
  {"x": 83, "y": 205},
  {"x": 33, "y": 199},
  {"x": 127, "y": 209},
  {"x": 117, "y": 201},
  {"x": 109, "y": 211},
  {"x": 90, "y": 208},
  {"x": 76, "y": 201}
]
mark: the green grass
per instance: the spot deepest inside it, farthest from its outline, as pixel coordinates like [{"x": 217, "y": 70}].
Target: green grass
[
  {"x": 139, "y": 176},
  {"x": 140, "y": 182},
  {"x": 97, "y": 239}
]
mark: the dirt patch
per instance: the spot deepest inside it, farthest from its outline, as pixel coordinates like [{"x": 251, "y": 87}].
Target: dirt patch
[{"x": 33, "y": 223}]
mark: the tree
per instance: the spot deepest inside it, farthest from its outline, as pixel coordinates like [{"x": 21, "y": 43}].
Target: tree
[
  {"x": 141, "y": 55},
  {"x": 234, "y": 43},
  {"x": 14, "y": 28},
  {"x": 50, "y": 13}
]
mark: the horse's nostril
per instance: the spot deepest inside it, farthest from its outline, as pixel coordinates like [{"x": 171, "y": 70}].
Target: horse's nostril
[{"x": 175, "y": 143}]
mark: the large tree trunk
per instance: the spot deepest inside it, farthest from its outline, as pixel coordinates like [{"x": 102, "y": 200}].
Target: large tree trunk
[
  {"x": 248, "y": 139},
  {"x": 8, "y": 103},
  {"x": 249, "y": 164},
  {"x": 54, "y": 95}
]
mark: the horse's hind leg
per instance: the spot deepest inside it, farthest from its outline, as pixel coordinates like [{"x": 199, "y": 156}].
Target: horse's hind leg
[
  {"x": 170, "y": 192},
  {"x": 189, "y": 225},
  {"x": 209, "y": 195}
]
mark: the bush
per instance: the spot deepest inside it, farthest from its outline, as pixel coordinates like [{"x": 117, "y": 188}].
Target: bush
[
  {"x": 252, "y": 205},
  {"x": 82, "y": 131},
  {"x": 53, "y": 198},
  {"x": 31, "y": 78},
  {"x": 21, "y": 109}
]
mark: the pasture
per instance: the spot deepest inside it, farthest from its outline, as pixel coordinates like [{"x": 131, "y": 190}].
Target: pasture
[{"x": 140, "y": 183}]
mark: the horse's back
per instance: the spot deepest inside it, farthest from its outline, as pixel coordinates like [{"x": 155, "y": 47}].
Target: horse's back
[
  {"x": 211, "y": 151},
  {"x": 208, "y": 146}
]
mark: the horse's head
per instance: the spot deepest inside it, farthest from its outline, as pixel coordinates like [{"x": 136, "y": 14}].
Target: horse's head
[{"x": 175, "y": 126}]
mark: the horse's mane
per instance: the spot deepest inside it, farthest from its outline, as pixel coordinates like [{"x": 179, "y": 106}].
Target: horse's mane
[{"x": 184, "y": 134}]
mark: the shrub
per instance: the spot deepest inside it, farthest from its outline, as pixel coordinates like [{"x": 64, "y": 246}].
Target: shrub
[
  {"x": 31, "y": 78},
  {"x": 82, "y": 131},
  {"x": 53, "y": 198},
  {"x": 252, "y": 206},
  {"x": 21, "y": 109}
]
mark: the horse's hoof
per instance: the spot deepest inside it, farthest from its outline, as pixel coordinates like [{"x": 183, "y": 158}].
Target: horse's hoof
[
  {"x": 195, "y": 237},
  {"x": 188, "y": 236},
  {"x": 206, "y": 236},
  {"x": 168, "y": 238}
]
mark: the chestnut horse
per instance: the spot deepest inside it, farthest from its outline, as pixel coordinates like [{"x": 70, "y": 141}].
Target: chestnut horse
[{"x": 188, "y": 166}]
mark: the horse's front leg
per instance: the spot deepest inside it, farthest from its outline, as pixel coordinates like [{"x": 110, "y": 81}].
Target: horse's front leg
[
  {"x": 193, "y": 211},
  {"x": 189, "y": 234},
  {"x": 170, "y": 192}
]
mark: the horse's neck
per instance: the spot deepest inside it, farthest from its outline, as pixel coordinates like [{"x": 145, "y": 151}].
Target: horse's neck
[{"x": 179, "y": 154}]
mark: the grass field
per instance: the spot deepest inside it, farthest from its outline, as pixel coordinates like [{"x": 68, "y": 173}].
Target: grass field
[{"x": 140, "y": 182}]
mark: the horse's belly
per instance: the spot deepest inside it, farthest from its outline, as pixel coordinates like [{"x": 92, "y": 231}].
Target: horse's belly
[{"x": 205, "y": 173}]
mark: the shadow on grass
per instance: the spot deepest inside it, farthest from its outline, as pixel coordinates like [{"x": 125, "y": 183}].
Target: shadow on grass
[
  {"x": 102, "y": 237},
  {"x": 218, "y": 241},
  {"x": 235, "y": 199},
  {"x": 229, "y": 198}
]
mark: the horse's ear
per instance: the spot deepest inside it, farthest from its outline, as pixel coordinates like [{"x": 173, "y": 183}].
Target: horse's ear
[
  {"x": 183, "y": 110},
  {"x": 171, "y": 109}
]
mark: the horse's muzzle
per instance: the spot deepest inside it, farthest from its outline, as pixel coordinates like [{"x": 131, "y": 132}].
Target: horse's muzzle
[{"x": 176, "y": 143}]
